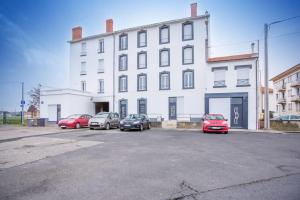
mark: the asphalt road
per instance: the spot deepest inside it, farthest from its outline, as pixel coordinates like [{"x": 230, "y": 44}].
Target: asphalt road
[{"x": 156, "y": 164}]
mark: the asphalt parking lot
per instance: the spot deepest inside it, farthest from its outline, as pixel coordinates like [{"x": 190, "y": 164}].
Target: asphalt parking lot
[{"x": 154, "y": 164}]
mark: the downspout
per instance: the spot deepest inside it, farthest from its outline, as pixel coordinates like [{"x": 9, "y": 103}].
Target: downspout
[
  {"x": 257, "y": 88},
  {"x": 206, "y": 39},
  {"x": 114, "y": 90}
]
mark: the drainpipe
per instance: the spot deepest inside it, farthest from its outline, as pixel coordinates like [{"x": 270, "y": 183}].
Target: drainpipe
[
  {"x": 114, "y": 90},
  {"x": 257, "y": 87},
  {"x": 206, "y": 39}
]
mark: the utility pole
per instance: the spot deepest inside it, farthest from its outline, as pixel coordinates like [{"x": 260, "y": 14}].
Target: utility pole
[
  {"x": 266, "y": 110},
  {"x": 22, "y": 104}
]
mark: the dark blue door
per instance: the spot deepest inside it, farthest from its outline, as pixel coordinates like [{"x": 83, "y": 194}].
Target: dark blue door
[
  {"x": 236, "y": 113},
  {"x": 123, "y": 109},
  {"x": 172, "y": 108}
]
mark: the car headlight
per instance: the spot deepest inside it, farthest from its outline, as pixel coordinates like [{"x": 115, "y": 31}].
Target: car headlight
[
  {"x": 136, "y": 122},
  {"x": 206, "y": 122},
  {"x": 121, "y": 122},
  {"x": 224, "y": 122}
]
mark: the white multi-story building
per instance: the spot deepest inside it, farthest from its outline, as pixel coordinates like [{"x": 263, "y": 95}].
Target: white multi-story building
[
  {"x": 287, "y": 91},
  {"x": 161, "y": 69}
]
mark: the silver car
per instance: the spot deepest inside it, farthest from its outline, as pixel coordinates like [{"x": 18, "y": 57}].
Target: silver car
[{"x": 104, "y": 120}]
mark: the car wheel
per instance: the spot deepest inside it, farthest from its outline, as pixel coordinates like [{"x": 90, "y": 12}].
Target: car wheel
[
  {"x": 226, "y": 132},
  {"x": 77, "y": 125},
  {"x": 107, "y": 127},
  {"x": 91, "y": 129},
  {"x": 204, "y": 131},
  {"x": 121, "y": 129},
  {"x": 141, "y": 127}
]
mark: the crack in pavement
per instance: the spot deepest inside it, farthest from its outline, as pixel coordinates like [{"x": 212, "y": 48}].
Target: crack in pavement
[{"x": 196, "y": 193}]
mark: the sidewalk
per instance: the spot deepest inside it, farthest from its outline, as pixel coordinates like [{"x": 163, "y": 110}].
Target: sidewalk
[{"x": 9, "y": 131}]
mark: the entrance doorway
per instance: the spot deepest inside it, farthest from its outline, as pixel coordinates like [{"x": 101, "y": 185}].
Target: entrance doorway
[{"x": 101, "y": 107}]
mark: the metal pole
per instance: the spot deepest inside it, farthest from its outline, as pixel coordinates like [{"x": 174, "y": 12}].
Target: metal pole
[
  {"x": 266, "y": 113},
  {"x": 22, "y": 105}
]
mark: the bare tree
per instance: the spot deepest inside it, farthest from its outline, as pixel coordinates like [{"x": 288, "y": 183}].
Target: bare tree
[{"x": 34, "y": 95}]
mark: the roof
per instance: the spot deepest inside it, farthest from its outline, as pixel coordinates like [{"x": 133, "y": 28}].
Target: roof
[
  {"x": 233, "y": 57},
  {"x": 262, "y": 90},
  {"x": 286, "y": 73},
  {"x": 142, "y": 27}
]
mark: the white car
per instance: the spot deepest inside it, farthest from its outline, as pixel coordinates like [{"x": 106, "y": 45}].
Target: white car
[{"x": 104, "y": 120}]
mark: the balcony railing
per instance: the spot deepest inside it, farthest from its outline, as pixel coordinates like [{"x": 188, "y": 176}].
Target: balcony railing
[
  {"x": 280, "y": 87},
  {"x": 295, "y": 83},
  {"x": 220, "y": 83},
  {"x": 83, "y": 53},
  {"x": 100, "y": 70},
  {"x": 295, "y": 98},
  {"x": 281, "y": 100},
  {"x": 83, "y": 72}
]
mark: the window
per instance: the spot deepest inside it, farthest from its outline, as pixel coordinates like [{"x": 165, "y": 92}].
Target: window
[
  {"x": 164, "y": 57},
  {"x": 101, "y": 66},
  {"x": 290, "y": 92},
  {"x": 123, "y": 108},
  {"x": 283, "y": 107},
  {"x": 83, "y": 68},
  {"x": 101, "y": 46},
  {"x": 123, "y": 40},
  {"x": 123, "y": 83},
  {"x": 142, "y": 106},
  {"x": 187, "y": 31},
  {"x": 164, "y": 34},
  {"x": 164, "y": 80},
  {"x": 83, "y": 86},
  {"x": 188, "y": 55},
  {"x": 219, "y": 76},
  {"x": 243, "y": 72},
  {"x": 290, "y": 106},
  {"x": 141, "y": 82},
  {"x": 298, "y": 107},
  {"x": 83, "y": 49},
  {"x": 123, "y": 62},
  {"x": 142, "y": 39},
  {"x": 188, "y": 79},
  {"x": 101, "y": 86},
  {"x": 142, "y": 60}
]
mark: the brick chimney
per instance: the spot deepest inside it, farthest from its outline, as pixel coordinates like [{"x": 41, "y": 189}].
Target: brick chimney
[
  {"x": 109, "y": 26},
  {"x": 76, "y": 33},
  {"x": 194, "y": 10}
]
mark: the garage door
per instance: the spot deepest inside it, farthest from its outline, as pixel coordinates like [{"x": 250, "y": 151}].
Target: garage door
[
  {"x": 52, "y": 113},
  {"x": 220, "y": 106}
]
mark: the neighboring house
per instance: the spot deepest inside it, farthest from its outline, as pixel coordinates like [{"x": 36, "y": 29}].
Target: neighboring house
[
  {"x": 162, "y": 69},
  {"x": 287, "y": 91},
  {"x": 32, "y": 112},
  {"x": 272, "y": 101}
]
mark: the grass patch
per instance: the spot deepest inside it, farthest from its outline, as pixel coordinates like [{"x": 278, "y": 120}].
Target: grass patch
[{"x": 284, "y": 126}]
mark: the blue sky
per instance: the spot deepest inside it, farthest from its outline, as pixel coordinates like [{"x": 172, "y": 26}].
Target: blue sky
[{"x": 33, "y": 33}]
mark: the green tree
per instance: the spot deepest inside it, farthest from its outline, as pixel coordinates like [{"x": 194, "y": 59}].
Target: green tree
[{"x": 34, "y": 95}]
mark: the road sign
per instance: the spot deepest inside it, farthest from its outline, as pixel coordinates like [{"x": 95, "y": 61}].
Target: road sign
[{"x": 22, "y": 102}]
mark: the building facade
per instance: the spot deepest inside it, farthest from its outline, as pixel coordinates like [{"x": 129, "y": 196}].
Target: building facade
[
  {"x": 287, "y": 91},
  {"x": 162, "y": 69}
]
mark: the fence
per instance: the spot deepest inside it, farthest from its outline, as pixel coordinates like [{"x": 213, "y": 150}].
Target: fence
[{"x": 10, "y": 119}]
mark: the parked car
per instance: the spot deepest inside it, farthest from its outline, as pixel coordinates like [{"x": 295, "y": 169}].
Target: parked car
[
  {"x": 287, "y": 118},
  {"x": 215, "y": 123},
  {"x": 104, "y": 120},
  {"x": 135, "y": 122},
  {"x": 75, "y": 121}
]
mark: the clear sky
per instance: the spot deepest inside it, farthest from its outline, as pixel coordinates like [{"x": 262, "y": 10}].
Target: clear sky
[{"x": 34, "y": 33}]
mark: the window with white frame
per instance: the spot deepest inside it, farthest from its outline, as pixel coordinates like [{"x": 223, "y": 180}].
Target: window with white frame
[
  {"x": 164, "y": 56},
  {"x": 187, "y": 31},
  {"x": 123, "y": 83},
  {"x": 142, "y": 60},
  {"x": 164, "y": 81},
  {"x": 142, "y": 82},
  {"x": 243, "y": 75},
  {"x": 101, "y": 86},
  {"x": 290, "y": 93},
  {"x": 123, "y": 62},
  {"x": 100, "y": 65},
  {"x": 188, "y": 55},
  {"x": 101, "y": 46},
  {"x": 83, "y": 49},
  {"x": 164, "y": 34},
  {"x": 83, "y": 68},
  {"x": 83, "y": 86},
  {"x": 123, "y": 40},
  {"x": 188, "y": 79},
  {"x": 219, "y": 76},
  {"x": 142, "y": 38},
  {"x": 290, "y": 106},
  {"x": 298, "y": 107}
]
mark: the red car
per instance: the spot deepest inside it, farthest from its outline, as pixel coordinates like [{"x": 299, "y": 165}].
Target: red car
[
  {"x": 215, "y": 123},
  {"x": 75, "y": 121}
]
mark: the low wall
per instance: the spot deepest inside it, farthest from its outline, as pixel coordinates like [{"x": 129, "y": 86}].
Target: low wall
[
  {"x": 189, "y": 125},
  {"x": 156, "y": 124},
  {"x": 282, "y": 125}
]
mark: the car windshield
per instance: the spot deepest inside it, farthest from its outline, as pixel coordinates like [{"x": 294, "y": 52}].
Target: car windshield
[
  {"x": 214, "y": 117},
  {"x": 73, "y": 116},
  {"x": 101, "y": 115},
  {"x": 133, "y": 116}
]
